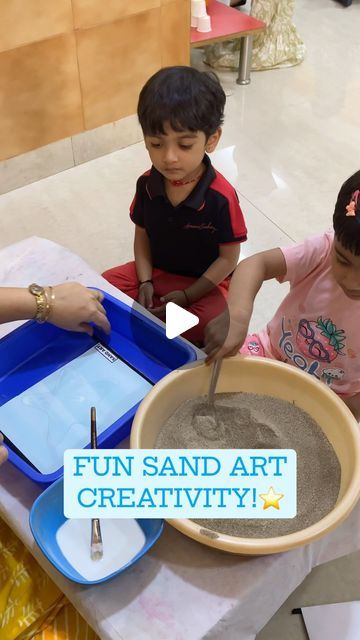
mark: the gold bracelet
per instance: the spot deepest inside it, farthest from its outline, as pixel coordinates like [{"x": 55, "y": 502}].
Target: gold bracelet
[
  {"x": 44, "y": 301},
  {"x": 39, "y": 293}
]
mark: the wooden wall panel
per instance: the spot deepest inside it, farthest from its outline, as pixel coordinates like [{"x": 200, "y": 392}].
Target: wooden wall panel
[
  {"x": 175, "y": 33},
  {"x": 40, "y": 97},
  {"x": 26, "y": 21},
  {"x": 71, "y": 65},
  {"x": 91, "y": 13},
  {"x": 115, "y": 60}
]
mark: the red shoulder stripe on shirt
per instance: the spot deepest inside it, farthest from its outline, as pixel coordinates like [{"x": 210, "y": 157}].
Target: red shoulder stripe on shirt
[
  {"x": 221, "y": 185},
  {"x": 132, "y": 206},
  {"x": 133, "y": 203}
]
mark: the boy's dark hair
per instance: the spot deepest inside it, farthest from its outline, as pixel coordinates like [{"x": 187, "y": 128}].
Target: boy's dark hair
[
  {"x": 188, "y": 99},
  {"x": 347, "y": 228}
]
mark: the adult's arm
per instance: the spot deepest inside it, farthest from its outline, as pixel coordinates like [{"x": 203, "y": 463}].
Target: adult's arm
[{"x": 73, "y": 307}]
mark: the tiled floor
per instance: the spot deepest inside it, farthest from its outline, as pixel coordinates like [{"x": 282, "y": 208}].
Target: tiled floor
[{"x": 289, "y": 141}]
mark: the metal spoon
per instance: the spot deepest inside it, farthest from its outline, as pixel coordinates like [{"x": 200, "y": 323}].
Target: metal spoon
[
  {"x": 205, "y": 419},
  {"x": 213, "y": 381}
]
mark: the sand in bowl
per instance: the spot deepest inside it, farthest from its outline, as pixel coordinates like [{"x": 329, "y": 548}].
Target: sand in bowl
[{"x": 254, "y": 421}]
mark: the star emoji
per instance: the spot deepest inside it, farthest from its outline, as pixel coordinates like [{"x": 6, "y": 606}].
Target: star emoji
[{"x": 271, "y": 499}]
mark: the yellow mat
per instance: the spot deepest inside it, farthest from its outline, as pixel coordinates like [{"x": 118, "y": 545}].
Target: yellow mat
[{"x": 31, "y": 605}]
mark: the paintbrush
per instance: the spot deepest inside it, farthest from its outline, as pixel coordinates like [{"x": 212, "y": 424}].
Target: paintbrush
[{"x": 96, "y": 548}]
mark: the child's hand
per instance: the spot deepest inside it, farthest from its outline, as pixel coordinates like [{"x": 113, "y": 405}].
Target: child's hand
[
  {"x": 3, "y": 450},
  {"x": 146, "y": 292},
  {"x": 177, "y": 297},
  {"x": 223, "y": 337}
]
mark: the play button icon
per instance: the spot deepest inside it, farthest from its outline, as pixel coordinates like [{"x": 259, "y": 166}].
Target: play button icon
[{"x": 178, "y": 320}]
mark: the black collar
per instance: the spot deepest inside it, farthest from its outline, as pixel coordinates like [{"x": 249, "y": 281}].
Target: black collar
[{"x": 196, "y": 198}]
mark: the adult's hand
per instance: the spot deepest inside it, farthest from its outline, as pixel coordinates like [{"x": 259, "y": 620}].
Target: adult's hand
[
  {"x": 3, "y": 450},
  {"x": 75, "y": 307}
]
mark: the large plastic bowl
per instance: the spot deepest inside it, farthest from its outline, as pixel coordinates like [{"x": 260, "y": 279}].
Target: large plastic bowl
[{"x": 260, "y": 375}]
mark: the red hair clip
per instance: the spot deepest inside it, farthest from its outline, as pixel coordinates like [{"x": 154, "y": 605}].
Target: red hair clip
[{"x": 351, "y": 207}]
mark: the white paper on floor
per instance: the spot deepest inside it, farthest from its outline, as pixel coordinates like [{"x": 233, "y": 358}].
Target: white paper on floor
[{"x": 339, "y": 621}]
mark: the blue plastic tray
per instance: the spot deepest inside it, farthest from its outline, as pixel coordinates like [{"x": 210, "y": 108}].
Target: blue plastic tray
[
  {"x": 33, "y": 351},
  {"x": 47, "y": 516}
]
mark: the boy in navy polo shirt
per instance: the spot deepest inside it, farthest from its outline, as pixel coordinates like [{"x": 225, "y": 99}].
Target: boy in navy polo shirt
[{"x": 188, "y": 222}]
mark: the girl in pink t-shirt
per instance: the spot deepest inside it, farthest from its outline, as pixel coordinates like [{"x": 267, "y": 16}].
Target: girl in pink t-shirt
[{"x": 316, "y": 327}]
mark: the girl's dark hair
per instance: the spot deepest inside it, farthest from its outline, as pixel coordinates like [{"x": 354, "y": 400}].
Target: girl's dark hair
[
  {"x": 188, "y": 99},
  {"x": 347, "y": 228}
]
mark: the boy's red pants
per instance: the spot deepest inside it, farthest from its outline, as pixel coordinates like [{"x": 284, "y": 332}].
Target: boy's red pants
[{"x": 211, "y": 305}]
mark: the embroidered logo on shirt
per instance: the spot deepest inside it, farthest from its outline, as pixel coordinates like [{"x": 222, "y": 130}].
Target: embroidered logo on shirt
[{"x": 204, "y": 226}]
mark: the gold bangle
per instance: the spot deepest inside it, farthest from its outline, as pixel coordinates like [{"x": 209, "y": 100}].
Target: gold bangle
[{"x": 50, "y": 298}]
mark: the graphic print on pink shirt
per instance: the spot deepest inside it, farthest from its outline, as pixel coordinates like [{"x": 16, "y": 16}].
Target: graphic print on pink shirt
[
  {"x": 320, "y": 339},
  {"x": 324, "y": 342}
]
